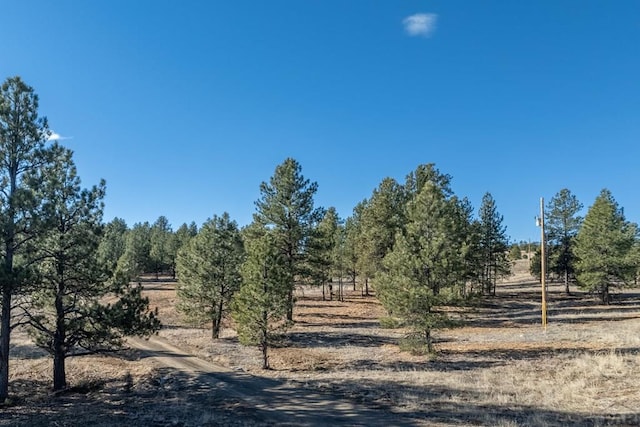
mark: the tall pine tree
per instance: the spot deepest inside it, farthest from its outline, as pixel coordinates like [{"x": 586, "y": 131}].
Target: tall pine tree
[
  {"x": 562, "y": 223},
  {"x": 286, "y": 207},
  {"x": 65, "y": 311},
  {"x": 322, "y": 248},
  {"x": 493, "y": 244},
  {"x": 260, "y": 307},
  {"x": 605, "y": 248},
  {"x": 426, "y": 264},
  {"x": 23, "y": 134},
  {"x": 208, "y": 270},
  {"x": 381, "y": 218}
]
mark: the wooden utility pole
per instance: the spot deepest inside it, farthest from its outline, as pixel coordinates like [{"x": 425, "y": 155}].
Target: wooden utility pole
[{"x": 543, "y": 271}]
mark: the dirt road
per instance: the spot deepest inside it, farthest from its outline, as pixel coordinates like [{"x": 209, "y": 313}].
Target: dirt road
[{"x": 274, "y": 402}]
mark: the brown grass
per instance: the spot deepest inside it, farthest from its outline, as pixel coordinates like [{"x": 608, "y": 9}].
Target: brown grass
[{"x": 502, "y": 368}]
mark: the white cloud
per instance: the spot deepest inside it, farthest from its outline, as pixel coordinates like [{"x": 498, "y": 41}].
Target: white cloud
[
  {"x": 57, "y": 137},
  {"x": 420, "y": 24}
]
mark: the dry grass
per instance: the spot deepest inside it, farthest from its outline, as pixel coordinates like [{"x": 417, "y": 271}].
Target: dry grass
[{"x": 501, "y": 369}]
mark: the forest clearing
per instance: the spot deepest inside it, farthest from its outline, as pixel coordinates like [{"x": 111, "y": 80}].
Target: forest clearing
[{"x": 500, "y": 368}]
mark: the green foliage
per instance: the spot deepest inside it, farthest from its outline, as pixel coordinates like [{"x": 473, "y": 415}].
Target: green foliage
[
  {"x": 260, "y": 307},
  {"x": 562, "y": 224},
  {"x": 515, "y": 253},
  {"x": 286, "y": 207},
  {"x": 137, "y": 255},
  {"x": 606, "y": 248},
  {"x": 64, "y": 311},
  {"x": 160, "y": 245},
  {"x": 425, "y": 260},
  {"x": 350, "y": 252},
  {"x": 493, "y": 244},
  {"x": 381, "y": 217},
  {"x": 178, "y": 240},
  {"x": 535, "y": 264},
  {"x": 23, "y": 134},
  {"x": 208, "y": 270},
  {"x": 325, "y": 249},
  {"x": 390, "y": 322},
  {"x": 113, "y": 243}
]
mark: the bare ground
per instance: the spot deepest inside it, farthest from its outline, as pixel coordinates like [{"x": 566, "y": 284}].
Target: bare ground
[{"x": 502, "y": 368}]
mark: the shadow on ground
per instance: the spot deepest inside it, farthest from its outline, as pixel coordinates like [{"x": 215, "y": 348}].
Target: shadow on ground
[{"x": 170, "y": 398}]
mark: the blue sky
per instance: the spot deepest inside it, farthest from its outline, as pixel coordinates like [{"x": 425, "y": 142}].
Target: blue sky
[{"x": 184, "y": 107}]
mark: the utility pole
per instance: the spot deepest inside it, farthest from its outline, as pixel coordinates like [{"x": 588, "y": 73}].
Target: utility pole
[{"x": 543, "y": 271}]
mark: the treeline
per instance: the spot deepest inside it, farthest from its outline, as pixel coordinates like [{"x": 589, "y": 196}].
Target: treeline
[
  {"x": 419, "y": 244},
  {"x": 416, "y": 242},
  {"x": 598, "y": 252}
]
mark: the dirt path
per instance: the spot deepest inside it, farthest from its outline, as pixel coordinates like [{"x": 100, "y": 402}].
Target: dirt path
[{"x": 275, "y": 401}]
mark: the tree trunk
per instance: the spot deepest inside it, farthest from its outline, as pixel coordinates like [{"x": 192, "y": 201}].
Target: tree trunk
[
  {"x": 566, "y": 282},
  {"x": 427, "y": 336},
  {"x": 214, "y": 328},
  {"x": 265, "y": 343},
  {"x": 59, "y": 372},
  {"x": 494, "y": 285},
  {"x": 59, "y": 336},
  {"x": 5, "y": 330},
  {"x": 323, "y": 291},
  {"x": 290, "y": 306},
  {"x": 605, "y": 295},
  {"x": 217, "y": 320},
  {"x": 366, "y": 287}
]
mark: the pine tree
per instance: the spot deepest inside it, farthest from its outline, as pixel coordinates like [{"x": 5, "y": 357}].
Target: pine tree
[
  {"x": 286, "y": 206},
  {"x": 160, "y": 245},
  {"x": 605, "y": 248},
  {"x": 177, "y": 241},
  {"x": 23, "y": 135},
  {"x": 426, "y": 264},
  {"x": 381, "y": 218},
  {"x": 260, "y": 307},
  {"x": 136, "y": 259},
  {"x": 514, "y": 252},
  {"x": 322, "y": 246},
  {"x": 113, "y": 243},
  {"x": 562, "y": 223},
  {"x": 64, "y": 310},
  {"x": 208, "y": 271},
  {"x": 493, "y": 244},
  {"x": 350, "y": 254}
]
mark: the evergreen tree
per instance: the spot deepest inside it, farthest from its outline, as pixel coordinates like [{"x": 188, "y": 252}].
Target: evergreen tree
[
  {"x": 286, "y": 206},
  {"x": 64, "y": 311},
  {"x": 23, "y": 135},
  {"x": 427, "y": 174},
  {"x": 350, "y": 254},
  {"x": 160, "y": 245},
  {"x": 381, "y": 218},
  {"x": 471, "y": 252},
  {"x": 426, "y": 263},
  {"x": 260, "y": 307},
  {"x": 514, "y": 252},
  {"x": 113, "y": 243},
  {"x": 322, "y": 246},
  {"x": 177, "y": 241},
  {"x": 605, "y": 247},
  {"x": 136, "y": 259},
  {"x": 493, "y": 244},
  {"x": 562, "y": 223},
  {"x": 208, "y": 270}
]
